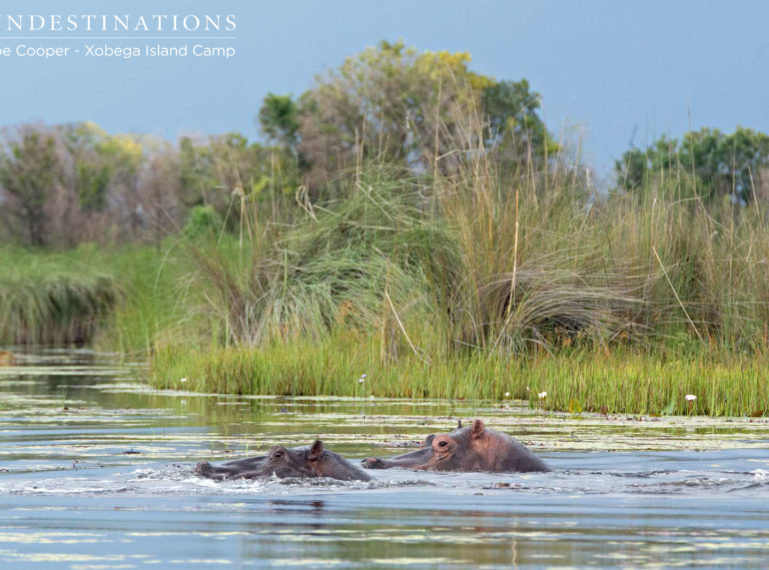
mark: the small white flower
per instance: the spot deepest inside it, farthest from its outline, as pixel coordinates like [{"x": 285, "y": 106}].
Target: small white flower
[
  {"x": 542, "y": 395},
  {"x": 360, "y": 380},
  {"x": 183, "y": 379},
  {"x": 690, "y": 397},
  {"x": 363, "y": 375},
  {"x": 507, "y": 394}
]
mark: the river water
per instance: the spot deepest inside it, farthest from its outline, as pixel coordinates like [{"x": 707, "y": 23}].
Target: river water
[{"x": 96, "y": 473}]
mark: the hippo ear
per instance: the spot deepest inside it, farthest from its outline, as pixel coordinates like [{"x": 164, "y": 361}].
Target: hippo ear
[
  {"x": 316, "y": 450},
  {"x": 429, "y": 440},
  {"x": 477, "y": 429}
]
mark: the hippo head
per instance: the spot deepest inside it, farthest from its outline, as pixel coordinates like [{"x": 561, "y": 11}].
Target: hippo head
[
  {"x": 475, "y": 448},
  {"x": 455, "y": 451},
  {"x": 295, "y": 462},
  {"x": 444, "y": 448},
  {"x": 488, "y": 446},
  {"x": 470, "y": 448},
  {"x": 315, "y": 456},
  {"x": 284, "y": 462},
  {"x": 312, "y": 461}
]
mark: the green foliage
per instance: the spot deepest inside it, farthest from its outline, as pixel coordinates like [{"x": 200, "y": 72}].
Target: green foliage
[
  {"x": 419, "y": 111},
  {"x": 330, "y": 268},
  {"x": 714, "y": 164},
  {"x": 157, "y": 304},
  {"x": 30, "y": 173},
  {"x": 202, "y": 221},
  {"x": 217, "y": 171},
  {"x": 418, "y": 251},
  {"x": 488, "y": 291},
  {"x": 118, "y": 299},
  {"x": 602, "y": 304},
  {"x": 93, "y": 182},
  {"x": 408, "y": 112},
  {"x": 279, "y": 119},
  {"x": 513, "y": 126},
  {"x": 53, "y": 298},
  {"x": 74, "y": 183},
  {"x": 581, "y": 381},
  {"x": 102, "y": 163}
]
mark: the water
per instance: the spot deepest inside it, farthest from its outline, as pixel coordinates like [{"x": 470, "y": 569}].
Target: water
[{"x": 96, "y": 473}]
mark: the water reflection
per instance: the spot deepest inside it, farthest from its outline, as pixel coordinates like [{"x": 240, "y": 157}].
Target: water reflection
[{"x": 85, "y": 441}]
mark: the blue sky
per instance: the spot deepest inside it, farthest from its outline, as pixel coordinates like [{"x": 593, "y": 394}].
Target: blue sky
[{"x": 605, "y": 69}]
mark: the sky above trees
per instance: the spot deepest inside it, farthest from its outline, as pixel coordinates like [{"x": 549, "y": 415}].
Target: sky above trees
[{"x": 618, "y": 74}]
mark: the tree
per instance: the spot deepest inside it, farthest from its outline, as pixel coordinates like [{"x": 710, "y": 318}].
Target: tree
[
  {"x": 103, "y": 164},
  {"x": 279, "y": 119},
  {"x": 30, "y": 172},
  {"x": 714, "y": 164},
  {"x": 637, "y": 167},
  {"x": 64, "y": 184},
  {"x": 513, "y": 124},
  {"x": 422, "y": 112},
  {"x": 218, "y": 169}
]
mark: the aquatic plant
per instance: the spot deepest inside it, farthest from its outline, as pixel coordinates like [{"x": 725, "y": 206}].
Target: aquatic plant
[{"x": 622, "y": 382}]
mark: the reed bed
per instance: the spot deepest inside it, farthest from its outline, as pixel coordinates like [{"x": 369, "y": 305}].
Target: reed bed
[
  {"x": 578, "y": 381},
  {"x": 470, "y": 282},
  {"x": 122, "y": 299},
  {"x": 53, "y": 298},
  {"x": 485, "y": 286}
]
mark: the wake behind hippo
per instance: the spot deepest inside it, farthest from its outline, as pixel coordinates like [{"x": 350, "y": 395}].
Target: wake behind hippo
[
  {"x": 472, "y": 448},
  {"x": 311, "y": 461}
]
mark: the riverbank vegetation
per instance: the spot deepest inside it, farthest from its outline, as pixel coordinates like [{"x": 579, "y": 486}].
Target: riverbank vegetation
[
  {"x": 411, "y": 229},
  {"x": 53, "y": 298}
]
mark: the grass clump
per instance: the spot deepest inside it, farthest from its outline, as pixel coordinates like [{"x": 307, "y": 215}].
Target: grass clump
[
  {"x": 480, "y": 284},
  {"x": 155, "y": 306},
  {"x": 333, "y": 267},
  {"x": 467, "y": 283},
  {"x": 124, "y": 298},
  {"x": 53, "y": 298}
]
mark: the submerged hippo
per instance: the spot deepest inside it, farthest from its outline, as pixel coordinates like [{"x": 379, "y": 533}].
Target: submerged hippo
[
  {"x": 472, "y": 448},
  {"x": 312, "y": 461}
]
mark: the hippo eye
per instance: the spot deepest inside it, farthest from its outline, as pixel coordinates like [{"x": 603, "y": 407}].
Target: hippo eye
[
  {"x": 278, "y": 454},
  {"x": 442, "y": 444}
]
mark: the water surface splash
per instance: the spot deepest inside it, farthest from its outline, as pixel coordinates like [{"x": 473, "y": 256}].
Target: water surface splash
[{"x": 96, "y": 471}]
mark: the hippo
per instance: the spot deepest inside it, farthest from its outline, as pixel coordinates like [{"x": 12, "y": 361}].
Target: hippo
[
  {"x": 472, "y": 448},
  {"x": 308, "y": 461}
]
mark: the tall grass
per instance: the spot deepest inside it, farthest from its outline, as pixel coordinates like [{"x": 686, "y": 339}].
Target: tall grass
[
  {"x": 156, "y": 306},
  {"x": 53, "y": 298},
  {"x": 476, "y": 282},
  {"x": 472, "y": 280},
  {"x": 345, "y": 265},
  {"x": 575, "y": 380},
  {"x": 125, "y": 299}
]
